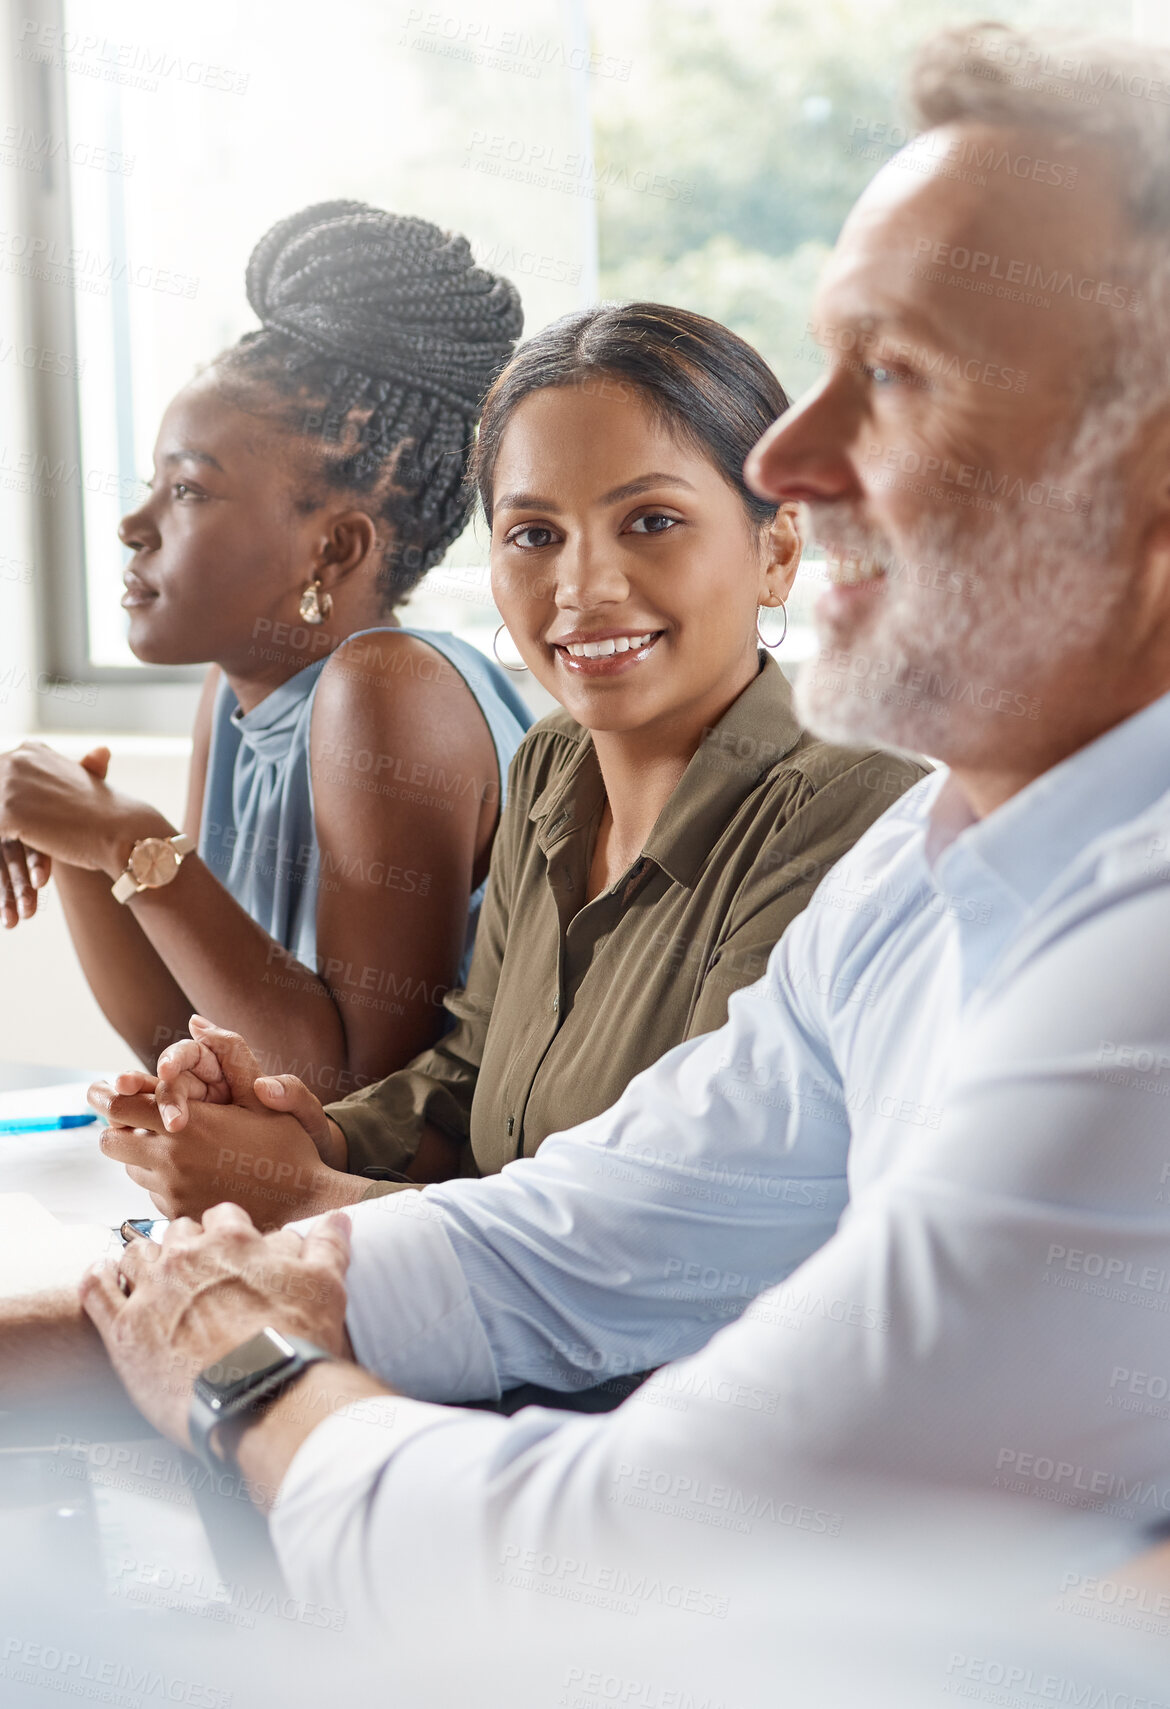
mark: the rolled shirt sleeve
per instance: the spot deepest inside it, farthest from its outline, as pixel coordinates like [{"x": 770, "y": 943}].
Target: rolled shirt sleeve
[
  {"x": 383, "y": 1123},
  {"x": 625, "y": 1242}
]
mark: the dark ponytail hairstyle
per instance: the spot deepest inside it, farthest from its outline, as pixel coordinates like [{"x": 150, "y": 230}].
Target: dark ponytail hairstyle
[
  {"x": 382, "y": 335},
  {"x": 701, "y": 380}
]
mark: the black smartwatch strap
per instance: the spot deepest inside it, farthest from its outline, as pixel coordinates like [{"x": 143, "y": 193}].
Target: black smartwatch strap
[{"x": 203, "y": 1419}]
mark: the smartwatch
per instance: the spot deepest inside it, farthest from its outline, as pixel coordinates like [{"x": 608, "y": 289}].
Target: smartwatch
[{"x": 238, "y": 1386}]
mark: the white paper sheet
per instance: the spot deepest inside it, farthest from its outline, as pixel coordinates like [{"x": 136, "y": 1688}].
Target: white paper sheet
[{"x": 37, "y": 1251}]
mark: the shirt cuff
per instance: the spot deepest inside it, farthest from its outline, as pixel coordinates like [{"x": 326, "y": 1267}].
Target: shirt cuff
[
  {"x": 410, "y": 1315},
  {"x": 374, "y": 1135},
  {"x": 379, "y": 1189},
  {"x": 331, "y": 1477}
]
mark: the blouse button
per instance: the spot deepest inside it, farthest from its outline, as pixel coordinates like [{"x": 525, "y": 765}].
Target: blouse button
[{"x": 556, "y": 1003}]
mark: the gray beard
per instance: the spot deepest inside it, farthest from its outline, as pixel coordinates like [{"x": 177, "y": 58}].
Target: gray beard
[{"x": 973, "y": 621}]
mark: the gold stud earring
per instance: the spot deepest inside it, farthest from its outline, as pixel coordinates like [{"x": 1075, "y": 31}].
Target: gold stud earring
[{"x": 315, "y": 604}]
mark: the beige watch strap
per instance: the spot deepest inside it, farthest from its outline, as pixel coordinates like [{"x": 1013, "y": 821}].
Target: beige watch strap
[{"x": 126, "y": 885}]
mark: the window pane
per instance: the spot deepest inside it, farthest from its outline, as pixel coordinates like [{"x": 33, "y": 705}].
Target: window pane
[
  {"x": 729, "y": 159},
  {"x": 191, "y": 133}
]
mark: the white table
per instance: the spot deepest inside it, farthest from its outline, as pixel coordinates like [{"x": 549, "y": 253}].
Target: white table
[{"x": 65, "y": 1172}]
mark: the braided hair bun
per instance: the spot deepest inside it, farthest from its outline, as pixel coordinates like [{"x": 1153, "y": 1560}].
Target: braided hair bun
[
  {"x": 387, "y": 336},
  {"x": 394, "y": 298}
]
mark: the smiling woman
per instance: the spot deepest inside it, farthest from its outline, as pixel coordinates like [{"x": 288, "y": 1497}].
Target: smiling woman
[
  {"x": 303, "y": 484},
  {"x": 661, "y": 830}
]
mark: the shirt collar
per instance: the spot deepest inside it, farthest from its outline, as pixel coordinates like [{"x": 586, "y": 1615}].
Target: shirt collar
[
  {"x": 757, "y": 731},
  {"x": 269, "y": 728},
  {"x": 754, "y": 734},
  {"x": 1036, "y": 835},
  {"x": 573, "y": 797}
]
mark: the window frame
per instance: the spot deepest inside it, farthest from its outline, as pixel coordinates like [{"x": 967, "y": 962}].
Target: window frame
[{"x": 80, "y": 694}]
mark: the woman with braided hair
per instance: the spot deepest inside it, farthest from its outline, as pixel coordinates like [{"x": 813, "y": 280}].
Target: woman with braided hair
[{"x": 347, "y": 771}]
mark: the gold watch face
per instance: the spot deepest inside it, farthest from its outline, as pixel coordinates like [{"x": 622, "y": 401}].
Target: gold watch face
[{"x": 153, "y": 862}]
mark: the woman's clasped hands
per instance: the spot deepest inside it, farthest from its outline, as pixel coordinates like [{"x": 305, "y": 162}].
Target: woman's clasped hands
[{"x": 211, "y": 1127}]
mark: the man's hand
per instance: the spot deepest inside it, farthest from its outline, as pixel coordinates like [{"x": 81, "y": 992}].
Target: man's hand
[{"x": 202, "y": 1292}]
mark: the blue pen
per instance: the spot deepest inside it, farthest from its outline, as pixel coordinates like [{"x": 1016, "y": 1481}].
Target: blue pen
[{"x": 45, "y": 1124}]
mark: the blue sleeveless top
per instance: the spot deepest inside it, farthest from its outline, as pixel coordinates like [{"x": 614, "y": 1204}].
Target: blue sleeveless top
[{"x": 258, "y": 834}]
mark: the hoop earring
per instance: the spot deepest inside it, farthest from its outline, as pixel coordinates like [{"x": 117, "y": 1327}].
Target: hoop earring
[
  {"x": 772, "y": 645},
  {"x": 503, "y": 663},
  {"x": 315, "y": 604}
]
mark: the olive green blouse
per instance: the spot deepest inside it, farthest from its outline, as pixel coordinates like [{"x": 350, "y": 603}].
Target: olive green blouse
[{"x": 567, "y": 1000}]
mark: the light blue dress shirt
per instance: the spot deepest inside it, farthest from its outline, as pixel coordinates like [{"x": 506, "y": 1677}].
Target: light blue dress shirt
[
  {"x": 258, "y": 834},
  {"x": 966, "y": 1039}
]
